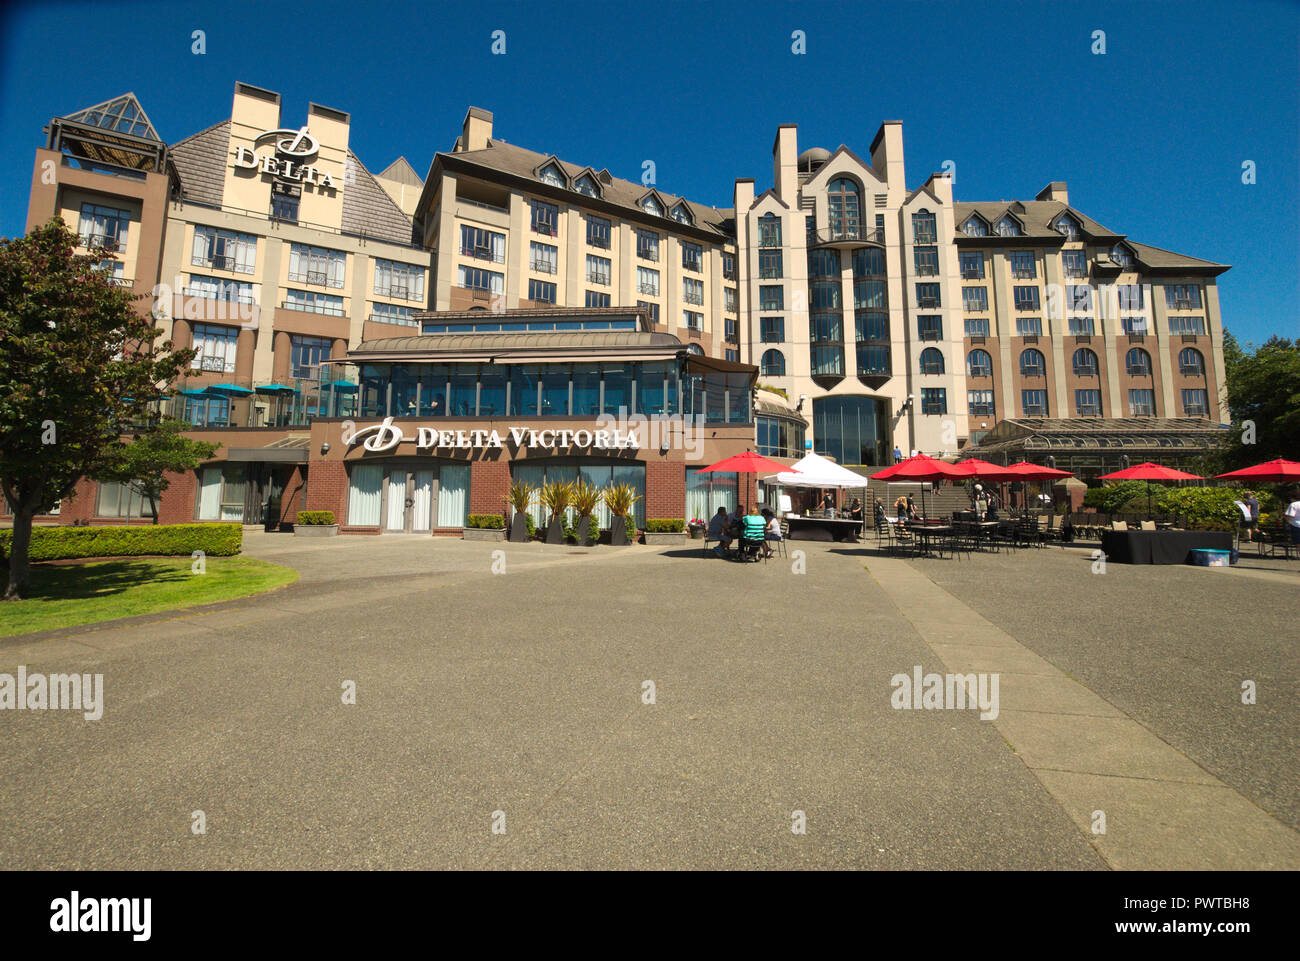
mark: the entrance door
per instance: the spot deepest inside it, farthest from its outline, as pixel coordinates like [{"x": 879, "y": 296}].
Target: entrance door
[{"x": 409, "y": 507}]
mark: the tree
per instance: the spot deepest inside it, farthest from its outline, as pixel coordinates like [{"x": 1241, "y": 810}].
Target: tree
[
  {"x": 159, "y": 450},
  {"x": 78, "y": 366},
  {"x": 1263, "y": 393}
]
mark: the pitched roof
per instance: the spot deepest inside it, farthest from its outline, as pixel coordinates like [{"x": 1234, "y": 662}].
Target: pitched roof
[
  {"x": 507, "y": 158},
  {"x": 121, "y": 115},
  {"x": 401, "y": 171},
  {"x": 200, "y": 162},
  {"x": 1036, "y": 216},
  {"x": 1159, "y": 257}
]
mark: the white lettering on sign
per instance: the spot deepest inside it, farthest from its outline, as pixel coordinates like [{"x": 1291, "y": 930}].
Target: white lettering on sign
[
  {"x": 386, "y": 435},
  {"x": 292, "y": 158}
]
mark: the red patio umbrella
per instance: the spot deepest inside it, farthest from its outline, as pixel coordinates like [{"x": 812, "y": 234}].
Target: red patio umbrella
[
  {"x": 1274, "y": 470},
  {"x": 747, "y": 463},
  {"x": 1150, "y": 472},
  {"x": 921, "y": 467},
  {"x": 1025, "y": 471}
]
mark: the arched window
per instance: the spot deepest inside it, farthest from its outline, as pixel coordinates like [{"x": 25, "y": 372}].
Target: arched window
[
  {"x": 1138, "y": 362},
  {"x": 931, "y": 361},
  {"x": 1085, "y": 363},
  {"x": 769, "y": 230},
  {"x": 1191, "y": 361},
  {"x": 1032, "y": 363},
  {"x": 923, "y": 228},
  {"x": 979, "y": 363},
  {"x": 694, "y": 348},
  {"x": 773, "y": 363},
  {"x": 845, "y": 203}
]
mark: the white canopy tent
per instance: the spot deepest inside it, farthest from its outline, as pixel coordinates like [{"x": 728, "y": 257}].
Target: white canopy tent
[{"x": 816, "y": 471}]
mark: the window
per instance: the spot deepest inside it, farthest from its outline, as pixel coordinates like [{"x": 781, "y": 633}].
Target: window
[
  {"x": 927, "y": 295},
  {"x": 313, "y": 302},
  {"x": 1121, "y": 255},
  {"x": 980, "y": 402},
  {"x": 732, "y": 354},
  {"x": 692, "y": 320},
  {"x": 596, "y": 299},
  {"x": 1142, "y": 402},
  {"x": 873, "y": 359},
  {"x": 1085, "y": 363},
  {"x": 647, "y": 281},
  {"x": 1187, "y": 325},
  {"x": 826, "y": 294},
  {"x": 214, "y": 288},
  {"x": 844, "y": 206},
  {"x": 1191, "y": 362},
  {"x": 482, "y": 244},
  {"x": 103, "y": 227},
  {"x": 1137, "y": 362},
  {"x": 477, "y": 278},
  {"x": 647, "y": 245},
  {"x": 392, "y": 314},
  {"x": 776, "y": 437},
  {"x": 681, "y": 214},
  {"x": 692, "y": 291},
  {"x": 1087, "y": 403},
  {"x": 1134, "y": 326},
  {"x": 1067, "y": 227},
  {"x": 115, "y": 270},
  {"x": 934, "y": 400},
  {"x": 587, "y": 186},
  {"x": 852, "y": 430},
  {"x": 1022, "y": 265},
  {"x": 1008, "y": 227},
  {"x": 871, "y": 324},
  {"x": 207, "y": 412},
  {"x": 769, "y": 231},
  {"x": 1034, "y": 403},
  {"x": 975, "y": 227},
  {"x": 214, "y": 348},
  {"x": 868, "y": 262},
  {"x": 770, "y": 265},
  {"x": 729, "y": 299},
  {"x": 284, "y": 207},
  {"x": 930, "y": 326},
  {"x": 1078, "y": 297},
  {"x": 1029, "y": 326},
  {"x": 706, "y": 492},
  {"x": 869, "y": 294},
  {"x": 931, "y": 361},
  {"x": 1130, "y": 296},
  {"x": 1026, "y": 298},
  {"x": 975, "y": 298},
  {"x": 825, "y": 327},
  {"x": 979, "y": 363},
  {"x": 1194, "y": 403},
  {"x": 543, "y": 258},
  {"x": 771, "y": 298},
  {"x": 1183, "y": 297},
  {"x": 1081, "y": 327},
  {"x": 598, "y": 232},
  {"x": 652, "y": 310},
  {"x": 728, "y": 267},
  {"x": 773, "y": 363},
  {"x": 1032, "y": 363},
  {"x": 972, "y": 265},
  {"x": 652, "y": 206},
  {"x": 772, "y": 330},
  {"x": 923, "y": 228},
  {"x": 117, "y": 499},
  {"x": 598, "y": 269},
  {"x": 541, "y": 290},
  {"x": 306, "y": 354},
  {"x": 730, "y": 329},
  {"x": 224, "y": 250},
  {"x": 827, "y": 360},
  {"x": 1074, "y": 263},
  {"x": 317, "y": 266},
  {"x": 927, "y": 261},
  {"x": 545, "y": 218},
  {"x": 977, "y": 326},
  {"x": 551, "y": 174},
  {"x": 399, "y": 281},
  {"x": 692, "y": 257}
]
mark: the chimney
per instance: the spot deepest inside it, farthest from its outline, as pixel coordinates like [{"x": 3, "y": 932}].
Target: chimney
[
  {"x": 887, "y": 154},
  {"x": 1054, "y": 191},
  {"x": 477, "y": 129},
  {"x": 785, "y": 175},
  {"x": 940, "y": 184}
]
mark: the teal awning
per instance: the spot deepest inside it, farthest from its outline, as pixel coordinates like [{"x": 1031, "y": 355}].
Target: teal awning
[
  {"x": 339, "y": 385},
  {"x": 276, "y": 389},
  {"x": 228, "y": 389}
]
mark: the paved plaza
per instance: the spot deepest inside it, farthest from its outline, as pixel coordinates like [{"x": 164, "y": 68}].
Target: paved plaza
[{"x": 508, "y": 689}]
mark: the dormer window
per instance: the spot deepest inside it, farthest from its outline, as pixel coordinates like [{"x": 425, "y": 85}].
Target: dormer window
[
  {"x": 1007, "y": 227},
  {"x": 586, "y": 185},
  {"x": 1067, "y": 227},
  {"x": 975, "y": 227},
  {"x": 551, "y": 175},
  {"x": 652, "y": 206},
  {"x": 1121, "y": 255},
  {"x": 681, "y": 214}
]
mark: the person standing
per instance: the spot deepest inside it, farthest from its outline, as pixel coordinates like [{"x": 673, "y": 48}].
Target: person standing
[
  {"x": 981, "y": 502},
  {"x": 1252, "y": 522},
  {"x": 1293, "y": 516}
]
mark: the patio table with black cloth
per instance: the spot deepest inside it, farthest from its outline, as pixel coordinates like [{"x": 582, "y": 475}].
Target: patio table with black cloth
[
  {"x": 823, "y": 528},
  {"x": 1160, "y": 547}
]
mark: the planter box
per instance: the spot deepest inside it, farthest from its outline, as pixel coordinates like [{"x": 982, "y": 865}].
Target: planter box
[
  {"x": 665, "y": 539},
  {"x": 315, "y": 530},
  {"x": 484, "y": 534}
]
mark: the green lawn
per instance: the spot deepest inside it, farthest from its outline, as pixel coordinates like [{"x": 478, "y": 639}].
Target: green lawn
[{"x": 65, "y": 595}]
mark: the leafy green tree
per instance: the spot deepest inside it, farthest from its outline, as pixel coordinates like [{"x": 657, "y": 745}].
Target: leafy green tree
[
  {"x": 1263, "y": 394},
  {"x": 79, "y": 365},
  {"x": 153, "y": 454}
]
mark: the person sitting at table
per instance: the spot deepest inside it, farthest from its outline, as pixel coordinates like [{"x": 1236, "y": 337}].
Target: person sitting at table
[
  {"x": 752, "y": 530},
  {"x": 718, "y": 525},
  {"x": 773, "y": 531}
]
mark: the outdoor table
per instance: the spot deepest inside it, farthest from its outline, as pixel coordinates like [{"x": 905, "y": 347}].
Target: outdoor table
[
  {"x": 1160, "y": 547},
  {"x": 925, "y": 533},
  {"x": 822, "y": 528},
  {"x": 983, "y": 530}
]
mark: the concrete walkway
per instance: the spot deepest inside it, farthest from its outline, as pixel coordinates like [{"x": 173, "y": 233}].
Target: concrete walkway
[{"x": 1161, "y": 810}]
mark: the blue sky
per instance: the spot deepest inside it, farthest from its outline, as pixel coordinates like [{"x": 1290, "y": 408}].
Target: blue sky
[{"x": 1150, "y": 136}]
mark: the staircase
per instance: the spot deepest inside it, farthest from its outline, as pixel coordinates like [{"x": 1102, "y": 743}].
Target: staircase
[{"x": 948, "y": 500}]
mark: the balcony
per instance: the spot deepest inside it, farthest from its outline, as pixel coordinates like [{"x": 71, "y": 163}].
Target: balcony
[
  {"x": 1137, "y": 338},
  {"x": 1190, "y": 338},
  {"x": 1030, "y": 338},
  {"x": 927, "y": 303},
  {"x": 104, "y": 242},
  {"x": 1190, "y": 370},
  {"x": 847, "y": 237},
  {"x": 1194, "y": 410},
  {"x": 643, "y": 287}
]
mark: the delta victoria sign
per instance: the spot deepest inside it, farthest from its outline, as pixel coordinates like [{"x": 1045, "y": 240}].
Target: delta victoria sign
[
  {"x": 293, "y": 150},
  {"x": 386, "y": 436}
]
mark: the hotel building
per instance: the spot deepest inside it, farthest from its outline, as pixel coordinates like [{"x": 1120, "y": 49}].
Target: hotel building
[{"x": 837, "y": 310}]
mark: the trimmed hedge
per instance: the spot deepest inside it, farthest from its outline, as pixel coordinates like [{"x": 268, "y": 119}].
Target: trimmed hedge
[
  {"x": 315, "y": 518},
  {"x": 58, "y": 543},
  {"x": 674, "y": 525},
  {"x": 491, "y": 522}
]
